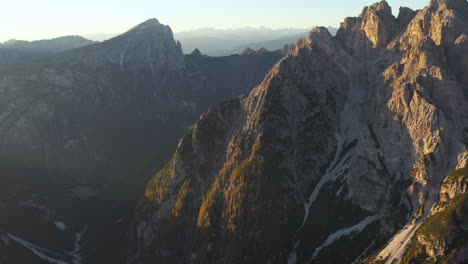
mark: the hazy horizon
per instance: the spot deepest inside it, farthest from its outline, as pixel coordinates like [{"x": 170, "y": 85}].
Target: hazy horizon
[
  {"x": 99, "y": 35},
  {"x": 39, "y": 20}
]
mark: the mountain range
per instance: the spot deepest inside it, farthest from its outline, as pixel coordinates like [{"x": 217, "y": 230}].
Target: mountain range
[
  {"x": 82, "y": 130},
  {"x": 222, "y": 42},
  {"x": 212, "y": 42},
  {"x": 340, "y": 148},
  {"x": 273, "y": 44}
]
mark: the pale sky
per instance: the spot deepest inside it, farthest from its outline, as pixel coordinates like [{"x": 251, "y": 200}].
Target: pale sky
[{"x": 40, "y": 19}]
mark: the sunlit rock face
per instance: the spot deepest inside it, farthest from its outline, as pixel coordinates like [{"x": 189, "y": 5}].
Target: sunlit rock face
[{"x": 346, "y": 146}]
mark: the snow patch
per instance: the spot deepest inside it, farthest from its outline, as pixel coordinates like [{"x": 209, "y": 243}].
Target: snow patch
[
  {"x": 345, "y": 232},
  {"x": 73, "y": 257},
  {"x": 44, "y": 254},
  {"x": 60, "y": 225},
  {"x": 397, "y": 246},
  {"x": 76, "y": 253}
]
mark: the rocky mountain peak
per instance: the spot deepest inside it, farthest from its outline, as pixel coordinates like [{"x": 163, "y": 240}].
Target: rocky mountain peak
[
  {"x": 320, "y": 36},
  {"x": 262, "y": 51},
  {"x": 248, "y": 51},
  {"x": 405, "y": 15},
  {"x": 150, "y": 30},
  {"x": 382, "y": 9},
  {"x": 378, "y": 23},
  {"x": 196, "y": 52},
  {"x": 148, "y": 25},
  {"x": 150, "y": 42},
  {"x": 443, "y": 21},
  {"x": 374, "y": 28},
  {"x": 150, "y": 22}
]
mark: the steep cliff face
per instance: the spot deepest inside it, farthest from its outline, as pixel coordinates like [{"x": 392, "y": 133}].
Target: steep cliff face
[
  {"x": 256, "y": 139},
  {"x": 348, "y": 140},
  {"x": 81, "y": 122},
  {"x": 372, "y": 29}
]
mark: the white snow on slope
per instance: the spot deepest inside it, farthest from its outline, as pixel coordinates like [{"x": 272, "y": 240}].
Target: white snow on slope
[
  {"x": 77, "y": 246},
  {"x": 42, "y": 253},
  {"x": 53, "y": 257},
  {"x": 397, "y": 246},
  {"x": 345, "y": 232},
  {"x": 60, "y": 225}
]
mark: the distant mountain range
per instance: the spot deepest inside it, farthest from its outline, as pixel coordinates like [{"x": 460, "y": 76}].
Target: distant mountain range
[
  {"x": 274, "y": 44},
  {"x": 211, "y": 42},
  {"x": 221, "y": 42}
]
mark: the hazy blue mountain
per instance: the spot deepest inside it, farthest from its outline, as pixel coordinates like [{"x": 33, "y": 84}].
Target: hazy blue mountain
[
  {"x": 13, "y": 50},
  {"x": 219, "y": 42},
  {"x": 274, "y": 44}
]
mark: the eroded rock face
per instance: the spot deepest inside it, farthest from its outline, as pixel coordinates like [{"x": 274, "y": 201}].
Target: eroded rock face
[
  {"x": 442, "y": 21},
  {"x": 378, "y": 23},
  {"x": 374, "y": 28},
  {"x": 346, "y": 140}
]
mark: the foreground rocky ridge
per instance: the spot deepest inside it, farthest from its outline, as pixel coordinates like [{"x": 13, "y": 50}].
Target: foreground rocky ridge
[{"x": 346, "y": 146}]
